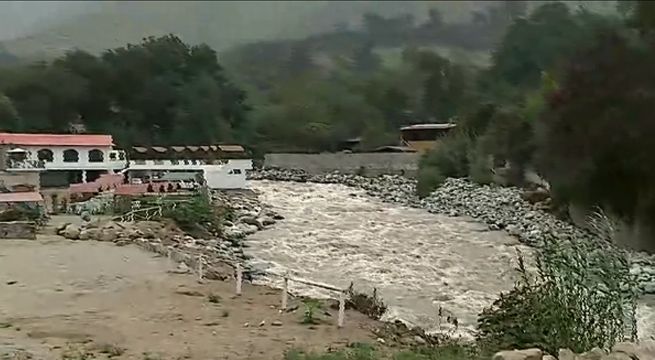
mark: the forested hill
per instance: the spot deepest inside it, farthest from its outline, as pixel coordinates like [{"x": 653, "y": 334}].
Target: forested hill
[
  {"x": 567, "y": 92},
  {"x": 220, "y": 24}
]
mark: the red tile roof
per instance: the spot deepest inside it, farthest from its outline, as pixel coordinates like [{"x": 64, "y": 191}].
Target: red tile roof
[
  {"x": 20, "y": 197},
  {"x": 56, "y": 139}
]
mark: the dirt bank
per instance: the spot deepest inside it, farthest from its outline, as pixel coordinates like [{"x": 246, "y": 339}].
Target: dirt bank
[{"x": 56, "y": 292}]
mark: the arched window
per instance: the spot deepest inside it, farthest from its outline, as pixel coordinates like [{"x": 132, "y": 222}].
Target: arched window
[
  {"x": 71, "y": 155},
  {"x": 96, "y": 155},
  {"x": 45, "y": 155}
]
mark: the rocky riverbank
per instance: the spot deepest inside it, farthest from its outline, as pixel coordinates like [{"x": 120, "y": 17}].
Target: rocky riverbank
[
  {"x": 244, "y": 216},
  {"x": 497, "y": 207},
  {"x": 644, "y": 350}
]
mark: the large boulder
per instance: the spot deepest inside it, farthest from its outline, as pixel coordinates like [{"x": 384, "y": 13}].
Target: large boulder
[
  {"x": 566, "y": 354},
  {"x": 254, "y": 221},
  {"x": 59, "y": 230},
  {"x": 528, "y": 354},
  {"x": 108, "y": 235},
  {"x": 90, "y": 234},
  {"x": 593, "y": 354},
  {"x": 641, "y": 351},
  {"x": 72, "y": 232},
  {"x": 535, "y": 196}
]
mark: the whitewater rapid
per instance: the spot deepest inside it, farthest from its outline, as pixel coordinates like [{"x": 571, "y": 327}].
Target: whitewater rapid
[{"x": 422, "y": 264}]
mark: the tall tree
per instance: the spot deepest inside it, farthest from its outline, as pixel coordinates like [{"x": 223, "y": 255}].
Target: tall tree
[{"x": 595, "y": 140}]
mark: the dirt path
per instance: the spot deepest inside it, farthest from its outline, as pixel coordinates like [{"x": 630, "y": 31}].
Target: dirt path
[{"x": 56, "y": 292}]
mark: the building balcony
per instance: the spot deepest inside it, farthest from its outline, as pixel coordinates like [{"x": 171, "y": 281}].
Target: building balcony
[{"x": 25, "y": 165}]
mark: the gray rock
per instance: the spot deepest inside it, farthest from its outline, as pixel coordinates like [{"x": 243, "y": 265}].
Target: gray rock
[
  {"x": 72, "y": 232},
  {"x": 642, "y": 351},
  {"x": 90, "y": 234},
  {"x": 251, "y": 220},
  {"x": 419, "y": 340},
  {"x": 528, "y": 354},
  {"x": 566, "y": 354},
  {"x": 593, "y": 354},
  {"x": 107, "y": 235}
]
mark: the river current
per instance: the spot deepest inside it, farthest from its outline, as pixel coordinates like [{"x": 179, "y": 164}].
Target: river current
[{"x": 422, "y": 264}]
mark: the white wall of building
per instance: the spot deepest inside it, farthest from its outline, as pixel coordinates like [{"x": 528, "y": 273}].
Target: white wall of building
[
  {"x": 83, "y": 162},
  {"x": 168, "y": 165},
  {"x": 228, "y": 176}
]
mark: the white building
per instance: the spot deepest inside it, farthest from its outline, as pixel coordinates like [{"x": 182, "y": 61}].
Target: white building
[
  {"x": 222, "y": 166},
  {"x": 63, "y": 158}
]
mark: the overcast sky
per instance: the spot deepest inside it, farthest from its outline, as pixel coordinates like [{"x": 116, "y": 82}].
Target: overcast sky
[{"x": 17, "y": 18}]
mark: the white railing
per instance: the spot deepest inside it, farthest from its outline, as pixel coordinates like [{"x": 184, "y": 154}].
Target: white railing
[
  {"x": 25, "y": 164},
  {"x": 285, "y": 288},
  {"x": 145, "y": 214}
]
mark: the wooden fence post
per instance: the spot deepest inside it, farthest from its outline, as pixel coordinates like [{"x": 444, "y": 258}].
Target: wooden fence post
[
  {"x": 199, "y": 267},
  {"x": 239, "y": 279},
  {"x": 342, "y": 308},
  {"x": 285, "y": 291}
]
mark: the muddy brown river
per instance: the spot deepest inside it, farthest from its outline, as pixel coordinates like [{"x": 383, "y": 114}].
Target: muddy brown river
[{"x": 422, "y": 264}]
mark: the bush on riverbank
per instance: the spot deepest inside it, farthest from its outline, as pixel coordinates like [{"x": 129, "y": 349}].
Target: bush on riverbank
[
  {"x": 450, "y": 351},
  {"x": 582, "y": 296},
  {"x": 198, "y": 211},
  {"x": 451, "y": 160}
]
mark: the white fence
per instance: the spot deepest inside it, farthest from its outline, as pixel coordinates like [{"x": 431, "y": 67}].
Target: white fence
[{"x": 197, "y": 263}]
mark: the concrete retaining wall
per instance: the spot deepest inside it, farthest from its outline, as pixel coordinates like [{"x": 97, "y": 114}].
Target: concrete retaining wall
[
  {"x": 367, "y": 164},
  {"x": 18, "y": 230}
]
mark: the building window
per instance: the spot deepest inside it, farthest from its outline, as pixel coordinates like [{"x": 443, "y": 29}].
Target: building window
[
  {"x": 121, "y": 156},
  {"x": 71, "y": 155},
  {"x": 112, "y": 156},
  {"x": 235, "y": 172},
  {"x": 96, "y": 155},
  {"x": 45, "y": 155}
]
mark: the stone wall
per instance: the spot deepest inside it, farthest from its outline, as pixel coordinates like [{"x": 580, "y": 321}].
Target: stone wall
[
  {"x": 367, "y": 164},
  {"x": 18, "y": 230}
]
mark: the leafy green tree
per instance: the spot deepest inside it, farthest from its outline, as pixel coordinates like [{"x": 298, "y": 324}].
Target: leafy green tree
[
  {"x": 365, "y": 60},
  {"x": 445, "y": 87},
  {"x": 515, "y": 9},
  {"x": 595, "y": 138},
  {"x": 300, "y": 60},
  {"x": 541, "y": 42},
  {"x": 159, "y": 91},
  {"x": 509, "y": 138}
]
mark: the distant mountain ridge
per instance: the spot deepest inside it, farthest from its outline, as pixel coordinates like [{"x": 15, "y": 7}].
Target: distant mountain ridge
[{"x": 223, "y": 24}]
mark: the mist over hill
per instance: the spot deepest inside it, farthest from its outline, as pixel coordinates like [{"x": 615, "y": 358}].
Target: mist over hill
[{"x": 48, "y": 29}]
